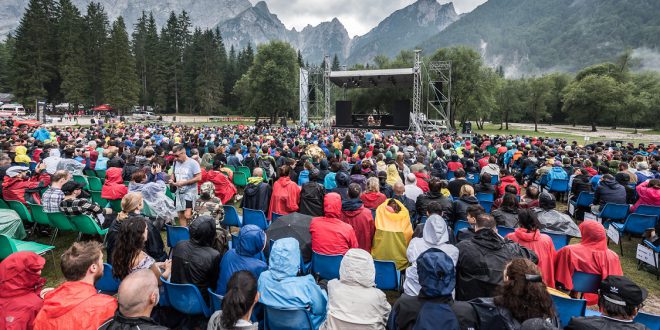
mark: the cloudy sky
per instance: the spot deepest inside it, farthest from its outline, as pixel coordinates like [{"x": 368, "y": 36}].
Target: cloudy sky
[{"x": 358, "y": 16}]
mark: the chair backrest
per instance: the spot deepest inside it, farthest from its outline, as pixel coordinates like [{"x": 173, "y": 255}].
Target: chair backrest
[
  {"x": 100, "y": 174},
  {"x": 567, "y": 308},
  {"x": 485, "y": 197},
  {"x": 503, "y": 231},
  {"x": 387, "y": 276},
  {"x": 107, "y": 284},
  {"x": 586, "y": 282},
  {"x": 245, "y": 170},
  {"x": 288, "y": 319},
  {"x": 231, "y": 167},
  {"x": 22, "y": 211},
  {"x": 327, "y": 266},
  {"x": 487, "y": 205},
  {"x": 450, "y": 175},
  {"x": 176, "y": 234},
  {"x": 186, "y": 298},
  {"x": 231, "y": 217},
  {"x": 494, "y": 179},
  {"x": 558, "y": 240},
  {"x": 115, "y": 204},
  {"x": 82, "y": 180},
  {"x": 38, "y": 214},
  {"x": 614, "y": 211},
  {"x": 255, "y": 217},
  {"x": 96, "y": 198},
  {"x": 86, "y": 225},
  {"x": 651, "y": 321},
  {"x": 7, "y": 246},
  {"x": 95, "y": 183},
  {"x": 240, "y": 179},
  {"x": 472, "y": 178},
  {"x": 146, "y": 210},
  {"x": 90, "y": 173},
  {"x": 60, "y": 221},
  {"x": 460, "y": 224},
  {"x": 585, "y": 199},
  {"x": 638, "y": 223},
  {"x": 274, "y": 216},
  {"x": 560, "y": 185},
  {"x": 216, "y": 300},
  {"x": 648, "y": 210}
]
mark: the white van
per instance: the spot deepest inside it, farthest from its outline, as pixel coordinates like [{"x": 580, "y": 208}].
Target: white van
[{"x": 12, "y": 110}]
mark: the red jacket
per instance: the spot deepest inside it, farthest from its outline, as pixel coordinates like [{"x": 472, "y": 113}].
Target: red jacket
[
  {"x": 224, "y": 188},
  {"x": 422, "y": 182},
  {"x": 647, "y": 196},
  {"x": 591, "y": 171},
  {"x": 75, "y": 305},
  {"x": 20, "y": 285},
  {"x": 285, "y": 197},
  {"x": 362, "y": 221},
  {"x": 372, "y": 199},
  {"x": 13, "y": 189},
  {"x": 329, "y": 234},
  {"x": 505, "y": 181},
  {"x": 483, "y": 162},
  {"x": 591, "y": 255},
  {"x": 453, "y": 166},
  {"x": 114, "y": 187},
  {"x": 542, "y": 245}
]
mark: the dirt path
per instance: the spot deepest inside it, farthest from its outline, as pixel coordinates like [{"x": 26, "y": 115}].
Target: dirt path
[{"x": 582, "y": 131}]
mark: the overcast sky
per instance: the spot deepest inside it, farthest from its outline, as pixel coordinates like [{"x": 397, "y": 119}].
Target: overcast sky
[{"x": 358, "y": 16}]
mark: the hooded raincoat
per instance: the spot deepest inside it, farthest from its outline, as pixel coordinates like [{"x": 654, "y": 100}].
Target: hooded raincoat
[
  {"x": 285, "y": 197},
  {"x": 591, "y": 255},
  {"x": 251, "y": 241},
  {"x": 224, "y": 188},
  {"x": 256, "y": 195},
  {"x": 393, "y": 233},
  {"x": 647, "y": 196},
  {"x": 542, "y": 245},
  {"x": 20, "y": 284},
  {"x": 372, "y": 200},
  {"x": 553, "y": 221},
  {"x": 154, "y": 196},
  {"x": 362, "y": 221},
  {"x": 280, "y": 287},
  {"x": 21, "y": 156},
  {"x": 114, "y": 187},
  {"x": 356, "y": 287},
  {"x": 330, "y": 235}
]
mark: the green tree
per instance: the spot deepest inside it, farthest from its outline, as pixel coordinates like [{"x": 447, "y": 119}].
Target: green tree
[
  {"x": 335, "y": 63},
  {"x": 6, "y": 51},
  {"x": 536, "y": 104},
  {"x": 558, "y": 82},
  {"x": 510, "y": 97},
  {"x": 94, "y": 42},
  {"x": 72, "y": 60},
  {"x": 592, "y": 99},
  {"x": 175, "y": 37},
  {"x": 300, "y": 59},
  {"x": 120, "y": 83},
  {"x": 643, "y": 101}
]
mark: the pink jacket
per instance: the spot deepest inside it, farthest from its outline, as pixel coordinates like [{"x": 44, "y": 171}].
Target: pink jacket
[{"x": 647, "y": 196}]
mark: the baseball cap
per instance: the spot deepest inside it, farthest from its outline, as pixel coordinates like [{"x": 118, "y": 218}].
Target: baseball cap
[
  {"x": 620, "y": 290},
  {"x": 70, "y": 186}
]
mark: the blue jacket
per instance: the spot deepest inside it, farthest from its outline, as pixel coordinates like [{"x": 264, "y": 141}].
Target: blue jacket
[
  {"x": 41, "y": 134},
  {"x": 251, "y": 241},
  {"x": 329, "y": 182},
  {"x": 555, "y": 173},
  {"x": 280, "y": 287},
  {"x": 303, "y": 177}
]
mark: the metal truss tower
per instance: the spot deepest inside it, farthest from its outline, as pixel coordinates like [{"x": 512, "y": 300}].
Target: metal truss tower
[
  {"x": 415, "y": 119},
  {"x": 310, "y": 89},
  {"x": 439, "y": 92},
  {"x": 328, "y": 90}
]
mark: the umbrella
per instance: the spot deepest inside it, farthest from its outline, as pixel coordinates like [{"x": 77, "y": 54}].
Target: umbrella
[{"x": 294, "y": 225}]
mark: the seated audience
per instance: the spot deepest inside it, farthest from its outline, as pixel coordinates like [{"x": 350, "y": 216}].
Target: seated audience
[
  {"x": 608, "y": 191},
  {"x": 244, "y": 256},
  {"x": 553, "y": 221},
  {"x": 507, "y": 214},
  {"x": 529, "y": 236},
  {"x": 223, "y": 187},
  {"x": 393, "y": 233},
  {"x": 128, "y": 255},
  {"x": 648, "y": 193},
  {"x": 506, "y": 179},
  {"x": 286, "y": 194},
  {"x": 72, "y": 204},
  {"x": 311, "y": 196},
  {"x": 372, "y": 197},
  {"x": 53, "y": 196},
  {"x": 457, "y": 183},
  {"x": 399, "y": 191},
  {"x": 472, "y": 212},
  {"x": 237, "y": 304},
  {"x": 359, "y": 217},
  {"x": 412, "y": 191},
  {"x": 257, "y": 193},
  {"x": 484, "y": 186},
  {"x": 17, "y": 184},
  {"x": 114, "y": 187},
  {"x": 21, "y": 289},
  {"x": 330, "y": 235},
  {"x": 460, "y": 205},
  {"x": 434, "y": 194}
]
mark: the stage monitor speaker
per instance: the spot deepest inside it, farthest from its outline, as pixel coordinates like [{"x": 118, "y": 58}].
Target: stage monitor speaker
[
  {"x": 344, "y": 113},
  {"x": 401, "y": 113}
]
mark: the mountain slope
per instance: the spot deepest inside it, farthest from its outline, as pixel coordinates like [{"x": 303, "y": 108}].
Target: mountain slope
[
  {"x": 543, "y": 35},
  {"x": 256, "y": 25},
  {"x": 403, "y": 29}
]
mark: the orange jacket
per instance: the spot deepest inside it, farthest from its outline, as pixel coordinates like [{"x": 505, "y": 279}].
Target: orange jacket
[
  {"x": 285, "y": 197},
  {"x": 75, "y": 305}
]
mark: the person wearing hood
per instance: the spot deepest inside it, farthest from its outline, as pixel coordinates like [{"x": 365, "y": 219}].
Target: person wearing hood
[
  {"x": 507, "y": 179},
  {"x": 435, "y": 235},
  {"x": 460, "y": 206},
  {"x": 257, "y": 193},
  {"x": 591, "y": 255},
  {"x": 553, "y": 221},
  {"x": 195, "y": 261},
  {"x": 17, "y": 185},
  {"x": 492, "y": 168},
  {"x": 285, "y": 196},
  {"x": 21, "y": 157},
  {"x": 21, "y": 287},
  {"x": 311, "y": 196},
  {"x": 279, "y": 286},
  {"x": 356, "y": 287},
  {"x": 330, "y": 235},
  {"x": 42, "y": 134},
  {"x": 557, "y": 172},
  {"x": 608, "y": 191},
  {"x": 358, "y": 177},
  {"x": 324, "y": 169},
  {"x": 342, "y": 180},
  {"x": 482, "y": 258},
  {"x": 648, "y": 193},
  {"x": 329, "y": 182},
  {"x": 114, "y": 187},
  {"x": 52, "y": 160},
  {"x": 393, "y": 233},
  {"x": 359, "y": 217},
  {"x": 304, "y": 175},
  {"x": 643, "y": 172},
  {"x": 434, "y": 195},
  {"x": 431, "y": 309},
  {"x": 372, "y": 197},
  {"x": 224, "y": 188},
  {"x": 507, "y": 214},
  {"x": 529, "y": 236},
  {"x": 245, "y": 256},
  {"x": 76, "y": 304}
]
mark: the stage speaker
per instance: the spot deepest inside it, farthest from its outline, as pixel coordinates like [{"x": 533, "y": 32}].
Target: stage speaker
[
  {"x": 401, "y": 113},
  {"x": 344, "y": 113}
]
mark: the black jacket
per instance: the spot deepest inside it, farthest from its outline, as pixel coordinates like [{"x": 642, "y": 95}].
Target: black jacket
[
  {"x": 580, "y": 183},
  {"x": 311, "y": 199},
  {"x": 602, "y": 323},
  {"x": 121, "y": 322},
  {"x": 507, "y": 217},
  {"x": 460, "y": 206},
  {"x": 409, "y": 204},
  {"x": 425, "y": 199},
  {"x": 609, "y": 191},
  {"x": 154, "y": 245},
  {"x": 481, "y": 262},
  {"x": 484, "y": 187},
  {"x": 455, "y": 186},
  {"x": 128, "y": 171},
  {"x": 194, "y": 261},
  {"x": 257, "y": 197},
  {"x": 406, "y": 308}
]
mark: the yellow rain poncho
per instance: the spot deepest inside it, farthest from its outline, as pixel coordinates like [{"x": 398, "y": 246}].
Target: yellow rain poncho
[
  {"x": 393, "y": 233},
  {"x": 21, "y": 156},
  {"x": 392, "y": 175}
]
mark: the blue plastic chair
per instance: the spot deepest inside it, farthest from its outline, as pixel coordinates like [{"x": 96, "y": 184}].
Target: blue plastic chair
[
  {"x": 503, "y": 231},
  {"x": 635, "y": 224},
  {"x": 485, "y": 197},
  {"x": 186, "y": 298},
  {"x": 232, "y": 219},
  {"x": 656, "y": 250},
  {"x": 494, "y": 179},
  {"x": 275, "y": 216},
  {"x": 216, "y": 300},
  {"x": 558, "y": 240},
  {"x": 648, "y": 210},
  {"x": 108, "y": 284},
  {"x": 651, "y": 321},
  {"x": 450, "y": 175},
  {"x": 327, "y": 266},
  {"x": 559, "y": 185},
  {"x": 568, "y": 308},
  {"x": 586, "y": 282},
  {"x": 287, "y": 318},
  {"x": 584, "y": 199},
  {"x": 472, "y": 178},
  {"x": 387, "y": 277},
  {"x": 486, "y": 205},
  {"x": 423, "y": 219},
  {"x": 613, "y": 211},
  {"x": 255, "y": 217},
  {"x": 460, "y": 224},
  {"x": 176, "y": 234}
]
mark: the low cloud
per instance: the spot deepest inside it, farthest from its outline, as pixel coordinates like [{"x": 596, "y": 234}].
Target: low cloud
[{"x": 648, "y": 59}]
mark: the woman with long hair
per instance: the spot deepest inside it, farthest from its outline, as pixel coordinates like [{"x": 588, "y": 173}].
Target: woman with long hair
[
  {"x": 507, "y": 214},
  {"x": 128, "y": 255},
  {"x": 237, "y": 304},
  {"x": 529, "y": 236},
  {"x": 372, "y": 197}
]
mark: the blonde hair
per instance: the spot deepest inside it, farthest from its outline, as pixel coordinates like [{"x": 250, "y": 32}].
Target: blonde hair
[
  {"x": 129, "y": 204},
  {"x": 373, "y": 185},
  {"x": 467, "y": 190}
]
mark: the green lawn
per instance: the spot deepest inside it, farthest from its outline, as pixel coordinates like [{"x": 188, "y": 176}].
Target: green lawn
[{"x": 494, "y": 129}]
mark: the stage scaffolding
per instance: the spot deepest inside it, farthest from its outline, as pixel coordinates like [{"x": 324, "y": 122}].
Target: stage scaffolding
[
  {"x": 439, "y": 90},
  {"x": 312, "y": 93}
]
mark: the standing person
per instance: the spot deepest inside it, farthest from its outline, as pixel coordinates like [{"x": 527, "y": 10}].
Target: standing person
[
  {"x": 76, "y": 304},
  {"x": 237, "y": 304},
  {"x": 529, "y": 236},
  {"x": 286, "y": 194},
  {"x": 21, "y": 290},
  {"x": 187, "y": 173}
]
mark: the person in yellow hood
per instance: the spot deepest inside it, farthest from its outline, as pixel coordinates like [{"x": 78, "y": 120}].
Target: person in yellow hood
[
  {"x": 21, "y": 156},
  {"x": 393, "y": 233}
]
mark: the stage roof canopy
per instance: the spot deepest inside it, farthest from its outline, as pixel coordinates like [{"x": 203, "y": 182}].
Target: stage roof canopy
[{"x": 373, "y": 78}]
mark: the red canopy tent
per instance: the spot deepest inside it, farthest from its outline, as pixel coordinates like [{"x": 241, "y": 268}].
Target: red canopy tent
[{"x": 103, "y": 107}]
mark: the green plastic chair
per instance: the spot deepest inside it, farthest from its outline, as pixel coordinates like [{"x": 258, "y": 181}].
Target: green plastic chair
[
  {"x": 87, "y": 225},
  {"x": 61, "y": 222},
  {"x": 240, "y": 179},
  {"x": 3, "y": 204},
  {"x": 146, "y": 210},
  {"x": 96, "y": 198},
  {"x": 246, "y": 170},
  {"x": 115, "y": 204},
  {"x": 9, "y": 246},
  {"x": 90, "y": 173},
  {"x": 231, "y": 167},
  {"x": 38, "y": 214},
  {"x": 169, "y": 193},
  {"x": 100, "y": 174},
  {"x": 126, "y": 183},
  {"x": 81, "y": 179},
  {"x": 21, "y": 210},
  {"x": 95, "y": 183}
]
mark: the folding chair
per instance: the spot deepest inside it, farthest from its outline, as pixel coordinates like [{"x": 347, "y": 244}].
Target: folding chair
[
  {"x": 558, "y": 240},
  {"x": 586, "y": 282},
  {"x": 9, "y": 245},
  {"x": 186, "y": 298},
  {"x": 327, "y": 266},
  {"x": 613, "y": 211},
  {"x": 287, "y": 319},
  {"x": 635, "y": 224},
  {"x": 387, "y": 276},
  {"x": 232, "y": 219},
  {"x": 176, "y": 234},
  {"x": 255, "y": 217},
  {"x": 568, "y": 308},
  {"x": 87, "y": 225}
]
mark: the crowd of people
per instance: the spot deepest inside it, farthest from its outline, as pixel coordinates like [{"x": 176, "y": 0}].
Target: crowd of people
[{"x": 369, "y": 195}]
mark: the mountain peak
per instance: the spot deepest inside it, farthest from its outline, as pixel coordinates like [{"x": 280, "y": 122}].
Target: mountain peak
[{"x": 262, "y": 6}]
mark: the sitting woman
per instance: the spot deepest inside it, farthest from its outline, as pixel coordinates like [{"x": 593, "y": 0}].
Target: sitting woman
[
  {"x": 529, "y": 236},
  {"x": 237, "y": 304},
  {"x": 393, "y": 233},
  {"x": 372, "y": 198},
  {"x": 507, "y": 214},
  {"x": 459, "y": 207},
  {"x": 128, "y": 255}
]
